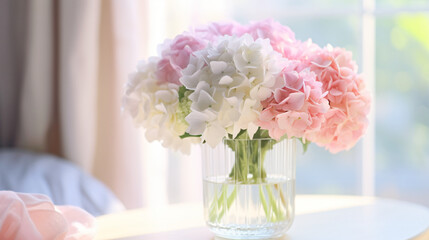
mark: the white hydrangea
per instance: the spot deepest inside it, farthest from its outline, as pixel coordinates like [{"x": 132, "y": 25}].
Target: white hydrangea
[
  {"x": 155, "y": 107},
  {"x": 229, "y": 80}
]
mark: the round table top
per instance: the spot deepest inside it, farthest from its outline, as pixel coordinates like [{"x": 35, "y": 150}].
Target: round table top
[{"x": 317, "y": 217}]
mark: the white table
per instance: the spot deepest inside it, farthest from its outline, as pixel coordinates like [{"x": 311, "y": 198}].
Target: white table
[{"x": 317, "y": 217}]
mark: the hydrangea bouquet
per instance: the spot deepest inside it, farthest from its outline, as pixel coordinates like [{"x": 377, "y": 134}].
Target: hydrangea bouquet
[
  {"x": 228, "y": 80},
  {"x": 233, "y": 81}
]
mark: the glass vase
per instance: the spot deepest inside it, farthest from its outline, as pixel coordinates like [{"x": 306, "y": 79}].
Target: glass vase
[{"x": 249, "y": 187}]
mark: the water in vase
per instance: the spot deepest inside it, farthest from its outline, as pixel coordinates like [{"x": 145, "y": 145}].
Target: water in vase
[{"x": 246, "y": 211}]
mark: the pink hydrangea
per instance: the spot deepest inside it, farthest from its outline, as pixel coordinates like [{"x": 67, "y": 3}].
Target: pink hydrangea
[
  {"x": 215, "y": 30},
  {"x": 175, "y": 57},
  {"x": 175, "y": 54},
  {"x": 295, "y": 108},
  {"x": 323, "y": 98},
  {"x": 346, "y": 119},
  {"x": 281, "y": 37}
]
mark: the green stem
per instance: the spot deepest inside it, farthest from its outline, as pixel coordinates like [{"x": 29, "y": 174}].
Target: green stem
[
  {"x": 282, "y": 198},
  {"x": 278, "y": 213},
  {"x": 223, "y": 203},
  {"x": 264, "y": 203},
  {"x": 214, "y": 207},
  {"x": 212, "y": 210},
  {"x": 249, "y": 159},
  {"x": 229, "y": 201}
]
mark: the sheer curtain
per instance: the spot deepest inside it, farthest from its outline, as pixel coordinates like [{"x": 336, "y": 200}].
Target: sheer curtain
[{"x": 67, "y": 67}]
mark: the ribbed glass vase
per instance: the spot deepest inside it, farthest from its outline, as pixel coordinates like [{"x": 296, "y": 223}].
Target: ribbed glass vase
[{"x": 249, "y": 187}]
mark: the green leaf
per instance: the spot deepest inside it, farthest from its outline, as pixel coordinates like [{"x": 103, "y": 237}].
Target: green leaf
[
  {"x": 186, "y": 135},
  {"x": 230, "y": 144},
  {"x": 304, "y": 145},
  {"x": 261, "y": 133}
]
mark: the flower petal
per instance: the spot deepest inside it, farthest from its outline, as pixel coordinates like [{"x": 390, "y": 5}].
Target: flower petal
[
  {"x": 225, "y": 80},
  {"x": 218, "y": 66},
  {"x": 197, "y": 122},
  {"x": 214, "y": 134}
]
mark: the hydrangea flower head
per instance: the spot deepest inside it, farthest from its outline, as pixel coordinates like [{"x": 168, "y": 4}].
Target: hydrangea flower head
[{"x": 229, "y": 81}]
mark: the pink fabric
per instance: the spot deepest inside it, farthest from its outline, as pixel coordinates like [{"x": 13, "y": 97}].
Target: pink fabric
[{"x": 34, "y": 216}]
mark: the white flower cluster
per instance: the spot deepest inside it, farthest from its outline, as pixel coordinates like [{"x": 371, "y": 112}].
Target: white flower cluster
[
  {"x": 155, "y": 107},
  {"x": 229, "y": 80}
]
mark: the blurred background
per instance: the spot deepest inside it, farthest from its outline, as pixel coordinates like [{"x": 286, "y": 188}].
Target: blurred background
[{"x": 64, "y": 64}]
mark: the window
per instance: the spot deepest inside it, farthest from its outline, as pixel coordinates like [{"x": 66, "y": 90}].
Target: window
[{"x": 390, "y": 42}]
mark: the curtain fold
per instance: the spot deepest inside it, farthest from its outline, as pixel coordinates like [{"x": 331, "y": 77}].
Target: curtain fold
[
  {"x": 78, "y": 49},
  {"x": 63, "y": 71},
  {"x": 118, "y": 159},
  {"x": 13, "y": 41},
  {"x": 36, "y": 91}
]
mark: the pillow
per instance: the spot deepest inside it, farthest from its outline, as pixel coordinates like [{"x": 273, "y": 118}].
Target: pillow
[{"x": 63, "y": 182}]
